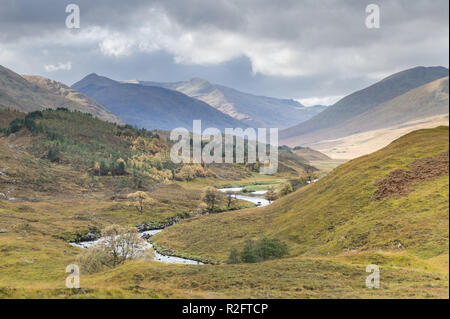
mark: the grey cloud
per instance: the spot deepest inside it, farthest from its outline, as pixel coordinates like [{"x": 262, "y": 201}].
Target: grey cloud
[{"x": 340, "y": 54}]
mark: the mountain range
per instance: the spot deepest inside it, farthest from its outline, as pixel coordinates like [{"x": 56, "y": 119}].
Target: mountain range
[
  {"x": 152, "y": 107},
  {"x": 358, "y": 124},
  {"x": 31, "y": 93},
  {"x": 255, "y": 111},
  {"x": 405, "y": 101}
]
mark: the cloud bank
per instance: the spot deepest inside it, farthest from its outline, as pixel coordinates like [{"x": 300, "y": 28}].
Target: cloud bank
[{"x": 295, "y": 49}]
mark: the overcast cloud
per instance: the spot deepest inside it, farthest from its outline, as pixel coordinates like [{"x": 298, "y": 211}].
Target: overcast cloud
[{"x": 309, "y": 50}]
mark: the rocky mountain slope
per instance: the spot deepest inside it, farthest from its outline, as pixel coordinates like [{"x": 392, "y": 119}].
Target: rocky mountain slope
[
  {"x": 412, "y": 98},
  {"x": 256, "y": 111},
  {"x": 31, "y": 93}
]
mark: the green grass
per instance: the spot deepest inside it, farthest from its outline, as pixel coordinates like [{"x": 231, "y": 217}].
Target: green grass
[
  {"x": 338, "y": 213},
  {"x": 333, "y": 229}
]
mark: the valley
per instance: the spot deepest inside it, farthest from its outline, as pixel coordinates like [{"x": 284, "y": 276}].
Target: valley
[{"x": 342, "y": 198}]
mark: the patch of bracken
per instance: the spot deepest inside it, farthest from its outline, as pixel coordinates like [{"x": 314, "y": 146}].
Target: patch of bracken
[{"x": 400, "y": 182}]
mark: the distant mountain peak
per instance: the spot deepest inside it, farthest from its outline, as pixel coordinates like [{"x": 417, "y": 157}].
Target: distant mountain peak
[
  {"x": 94, "y": 78},
  {"x": 254, "y": 110},
  {"x": 152, "y": 106}
]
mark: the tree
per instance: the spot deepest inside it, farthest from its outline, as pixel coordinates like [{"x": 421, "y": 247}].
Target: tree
[
  {"x": 271, "y": 248},
  {"x": 120, "y": 170},
  {"x": 263, "y": 249},
  {"x": 15, "y": 126},
  {"x": 286, "y": 188},
  {"x": 271, "y": 195},
  {"x": 140, "y": 200},
  {"x": 117, "y": 245},
  {"x": 212, "y": 197},
  {"x": 103, "y": 169},
  {"x": 250, "y": 252},
  {"x": 97, "y": 168},
  {"x": 53, "y": 154},
  {"x": 229, "y": 199}
]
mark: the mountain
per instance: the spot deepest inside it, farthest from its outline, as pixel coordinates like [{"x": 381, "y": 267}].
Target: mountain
[
  {"x": 256, "y": 111},
  {"x": 406, "y": 99},
  {"x": 31, "y": 93},
  {"x": 152, "y": 107},
  {"x": 393, "y": 202},
  {"x": 310, "y": 154}
]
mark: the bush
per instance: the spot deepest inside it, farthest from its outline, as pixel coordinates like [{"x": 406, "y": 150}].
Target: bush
[
  {"x": 103, "y": 169},
  {"x": 15, "y": 126},
  {"x": 30, "y": 121},
  {"x": 53, "y": 154},
  {"x": 250, "y": 253},
  {"x": 286, "y": 188},
  {"x": 94, "y": 260},
  {"x": 272, "y": 248},
  {"x": 264, "y": 249},
  {"x": 119, "y": 244}
]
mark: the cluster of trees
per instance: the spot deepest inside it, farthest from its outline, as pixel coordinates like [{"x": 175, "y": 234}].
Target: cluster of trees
[
  {"x": 190, "y": 171},
  {"x": 212, "y": 199},
  {"x": 140, "y": 200},
  {"x": 29, "y": 122},
  {"x": 285, "y": 189},
  {"x": 103, "y": 148},
  {"x": 115, "y": 167},
  {"x": 256, "y": 251}
]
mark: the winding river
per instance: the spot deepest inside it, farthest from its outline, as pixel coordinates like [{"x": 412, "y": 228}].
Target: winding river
[{"x": 259, "y": 201}]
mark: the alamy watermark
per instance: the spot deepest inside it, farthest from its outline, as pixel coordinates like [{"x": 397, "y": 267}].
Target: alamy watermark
[
  {"x": 373, "y": 280},
  {"x": 73, "y": 19},
  {"x": 208, "y": 146},
  {"x": 73, "y": 280},
  {"x": 373, "y": 17}
]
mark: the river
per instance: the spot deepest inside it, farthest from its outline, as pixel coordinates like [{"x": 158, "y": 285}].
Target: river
[{"x": 259, "y": 201}]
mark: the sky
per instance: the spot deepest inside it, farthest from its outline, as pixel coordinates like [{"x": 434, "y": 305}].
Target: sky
[{"x": 312, "y": 51}]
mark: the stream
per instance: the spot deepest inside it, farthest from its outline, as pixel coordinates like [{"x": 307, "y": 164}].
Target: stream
[{"x": 259, "y": 201}]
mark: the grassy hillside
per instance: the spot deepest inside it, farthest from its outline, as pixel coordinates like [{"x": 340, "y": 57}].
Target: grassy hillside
[
  {"x": 31, "y": 93},
  {"x": 339, "y": 213},
  {"x": 310, "y": 154},
  {"x": 89, "y": 104},
  {"x": 56, "y": 152},
  {"x": 54, "y": 202}
]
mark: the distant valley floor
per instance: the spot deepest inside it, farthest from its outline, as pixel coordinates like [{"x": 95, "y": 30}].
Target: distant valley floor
[{"x": 364, "y": 143}]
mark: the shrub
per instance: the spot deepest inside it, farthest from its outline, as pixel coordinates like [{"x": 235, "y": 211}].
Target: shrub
[
  {"x": 286, "y": 188},
  {"x": 15, "y": 126},
  {"x": 271, "y": 195},
  {"x": 250, "y": 252},
  {"x": 103, "y": 169},
  {"x": 264, "y": 249},
  {"x": 53, "y": 154},
  {"x": 271, "y": 248},
  {"x": 119, "y": 244},
  {"x": 94, "y": 260}
]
